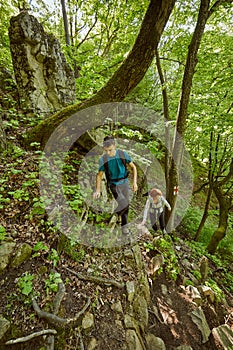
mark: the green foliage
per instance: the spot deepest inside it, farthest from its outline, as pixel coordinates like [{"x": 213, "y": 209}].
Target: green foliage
[
  {"x": 197, "y": 274},
  {"x": 165, "y": 246},
  {"x": 52, "y": 282},
  {"x": 76, "y": 198},
  {"x": 219, "y": 295},
  {"x": 2, "y": 233},
  {"x": 25, "y": 283},
  {"x": 192, "y": 219},
  {"x": 39, "y": 247},
  {"x": 149, "y": 246},
  {"x": 38, "y": 207},
  {"x": 7, "y": 10},
  {"x": 54, "y": 257}
]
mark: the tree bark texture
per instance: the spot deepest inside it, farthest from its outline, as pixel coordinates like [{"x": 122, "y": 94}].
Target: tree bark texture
[
  {"x": 129, "y": 74},
  {"x": 224, "y": 206},
  {"x": 189, "y": 71},
  {"x": 65, "y": 21},
  {"x": 210, "y": 189}
]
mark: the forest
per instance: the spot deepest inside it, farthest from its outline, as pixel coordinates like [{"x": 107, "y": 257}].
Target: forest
[{"x": 157, "y": 75}]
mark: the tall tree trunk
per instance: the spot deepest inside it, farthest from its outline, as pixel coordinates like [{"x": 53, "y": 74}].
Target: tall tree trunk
[
  {"x": 210, "y": 188},
  {"x": 65, "y": 21},
  {"x": 166, "y": 124},
  {"x": 183, "y": 105},
  {"x": 129, "y": 74}
]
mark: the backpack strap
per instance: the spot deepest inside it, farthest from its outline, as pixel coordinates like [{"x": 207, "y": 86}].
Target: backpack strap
[
  {"x": 105, "y": 159},
  {"x": 122, "y": 157}
]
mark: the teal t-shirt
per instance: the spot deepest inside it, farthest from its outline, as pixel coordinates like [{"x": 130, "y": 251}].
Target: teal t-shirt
[{"x": 116, "y": 167}]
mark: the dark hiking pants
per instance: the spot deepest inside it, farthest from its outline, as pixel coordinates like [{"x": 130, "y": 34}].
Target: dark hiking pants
[
  {"x": 154, "y": 217},
  {"x": 121, "y": 194}
]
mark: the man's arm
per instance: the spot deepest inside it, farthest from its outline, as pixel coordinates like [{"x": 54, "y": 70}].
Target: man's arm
[
  {"x": 98, "y": 184},
  {"x": 134, "y": 169}
]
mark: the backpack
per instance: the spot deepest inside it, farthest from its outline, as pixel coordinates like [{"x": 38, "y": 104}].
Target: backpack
[{"x": 122, "y": 157}]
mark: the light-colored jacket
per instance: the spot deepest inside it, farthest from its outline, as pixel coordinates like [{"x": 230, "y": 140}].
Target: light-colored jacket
[{"x": 155, "y": 207}]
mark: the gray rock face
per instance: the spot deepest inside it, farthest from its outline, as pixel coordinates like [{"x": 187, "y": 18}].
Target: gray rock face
[{"x": 45, "y": 81}]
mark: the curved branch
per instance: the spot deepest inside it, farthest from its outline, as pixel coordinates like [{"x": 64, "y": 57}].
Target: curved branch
[
  {"x": 31, "y": 336},
  {"x": 59, "y": 321},
  {"x": 217, "y": 4}
]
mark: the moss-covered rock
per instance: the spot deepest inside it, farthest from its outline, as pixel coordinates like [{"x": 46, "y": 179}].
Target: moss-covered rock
[{"x": 23, "y": 253}]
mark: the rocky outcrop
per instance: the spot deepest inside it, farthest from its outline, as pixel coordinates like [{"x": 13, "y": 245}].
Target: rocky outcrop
[{"x": 45, "y": 81}]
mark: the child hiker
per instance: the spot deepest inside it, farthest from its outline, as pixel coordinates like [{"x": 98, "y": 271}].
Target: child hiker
[{"x": 154, "y": 207}]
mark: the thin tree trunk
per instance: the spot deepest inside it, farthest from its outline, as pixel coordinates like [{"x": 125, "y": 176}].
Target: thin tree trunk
[
  {"x": 129, "y": 74},
  {"x": 183, "y": 105},
  {"x": 65, "y": 21},
  {"x": 205, "y": 215},
  {"x": 210, "y": 188},
  {"x": 166, "y": 125}
]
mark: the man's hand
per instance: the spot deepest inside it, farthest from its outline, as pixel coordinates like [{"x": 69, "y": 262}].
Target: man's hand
[
  {"x": 135, "y": 187},
  {"x": 96, "y": 195}
]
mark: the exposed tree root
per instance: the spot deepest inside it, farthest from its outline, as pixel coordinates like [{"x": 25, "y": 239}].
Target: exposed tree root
[
  {"x": 54, "y": 320},
  {"x": 59, "y": 321},
  {"x": 31, "y": 336},
  {"x": 58, "y": 298},
  {"x": 100, "y": 280}
]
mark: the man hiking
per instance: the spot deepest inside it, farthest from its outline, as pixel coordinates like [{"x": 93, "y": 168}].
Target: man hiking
[{"x": 113, "y": 164}]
